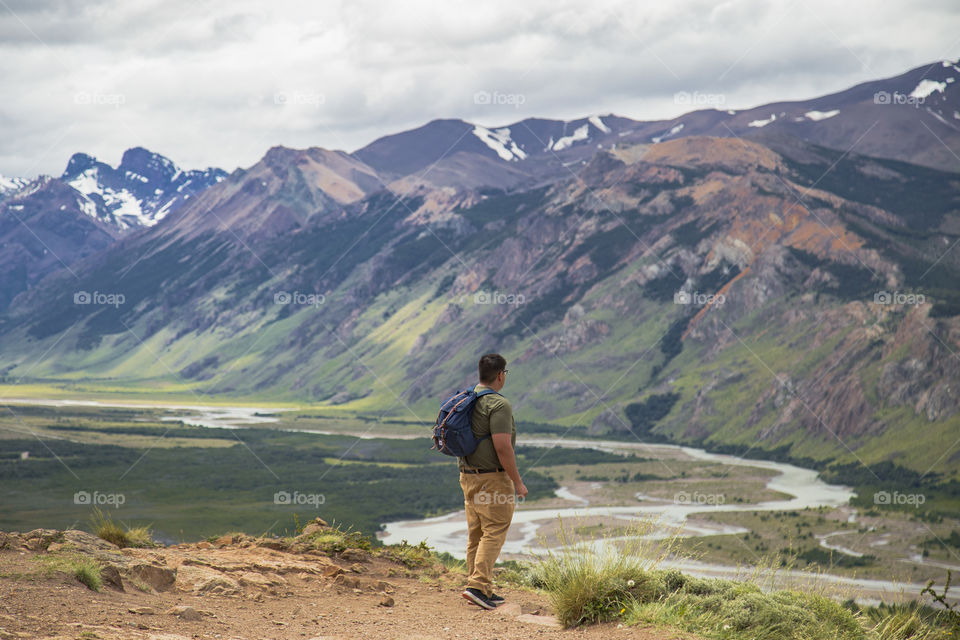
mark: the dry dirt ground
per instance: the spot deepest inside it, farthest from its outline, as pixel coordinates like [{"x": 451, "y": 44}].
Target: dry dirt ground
[{"x": 243, "y": 588}]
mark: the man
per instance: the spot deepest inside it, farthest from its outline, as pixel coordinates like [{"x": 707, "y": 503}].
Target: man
[{"x": 490, "y": 481}]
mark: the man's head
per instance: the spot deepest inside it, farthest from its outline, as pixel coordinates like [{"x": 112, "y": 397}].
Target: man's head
[{"x": 493, "y": 371}]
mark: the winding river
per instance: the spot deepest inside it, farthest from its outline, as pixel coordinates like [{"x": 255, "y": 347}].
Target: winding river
[{"x": 448, "y": 532}]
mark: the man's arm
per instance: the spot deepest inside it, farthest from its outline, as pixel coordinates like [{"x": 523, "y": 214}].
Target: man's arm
[{"x": 504, "y": 449}]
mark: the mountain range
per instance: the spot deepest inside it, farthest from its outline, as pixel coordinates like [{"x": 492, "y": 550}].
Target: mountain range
[{"x": 780, "y": 278}]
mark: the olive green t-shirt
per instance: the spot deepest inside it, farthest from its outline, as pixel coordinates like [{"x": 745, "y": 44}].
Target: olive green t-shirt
[{"x": 492, "y": 413}]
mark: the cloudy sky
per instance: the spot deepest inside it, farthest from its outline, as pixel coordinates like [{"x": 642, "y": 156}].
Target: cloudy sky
[{"x": 218, "y": 83}]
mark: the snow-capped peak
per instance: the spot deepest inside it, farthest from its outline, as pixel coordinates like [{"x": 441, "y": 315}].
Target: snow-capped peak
[
  {"x": 140, "y": 192},
  {"x": 8, "y": 185}
]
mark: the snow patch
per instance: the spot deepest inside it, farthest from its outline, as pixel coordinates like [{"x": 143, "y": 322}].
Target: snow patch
[
  {"x": 121, "y": 203},
  {"x": 731, "y": 112},
  {"x": 672, "y": 132},
  {"x": 582, "y": 133},
  {"x": 10, "y": 184},
  {"x": 762, "y": 123},
  {"x": 598, "y": 123},
  {"x": 816, "y": 116},
  {"x": 926, "y": 87},
  {"x": 501, "y": 142}
]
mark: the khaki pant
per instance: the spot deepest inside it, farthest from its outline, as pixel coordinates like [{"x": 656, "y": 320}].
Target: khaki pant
[{"x": 489, "y": 501}]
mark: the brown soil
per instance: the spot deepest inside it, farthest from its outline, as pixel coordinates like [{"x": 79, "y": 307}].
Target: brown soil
[{"x": 241, "y": 588}]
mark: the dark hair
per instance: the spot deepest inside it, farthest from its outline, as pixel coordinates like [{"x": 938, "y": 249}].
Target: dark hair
[{"x": 490, "y": 366}]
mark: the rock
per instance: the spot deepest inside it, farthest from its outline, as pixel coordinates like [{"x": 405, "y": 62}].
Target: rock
[
  {"x": 111, "y": 576},
  {"x": 354, "y": 555},
  {"x": 273, "y": 543},
  {"x": 224, "y": 541},
  {"x": 251, "y": 578},
  {"x": 10, "y": 540},
  {"x": 144, "y": 611},
  {"x": 332, "y": 571},
  {"x": 186, "y": 613},
  {"x": 204, "y": 545},
  {"x": 315, "y": 526},
  {"x": 357, "y": 568},
  {"x": 386, "y": 601},
  {"x": 160, "y": 578},
  {"x": 347, "y": 581},
  {"x": 40, "y": 539},
  {"x": 196, "y": 579}
]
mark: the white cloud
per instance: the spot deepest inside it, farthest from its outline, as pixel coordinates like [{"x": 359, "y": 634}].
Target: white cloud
[{"x": 197, "y": 81}]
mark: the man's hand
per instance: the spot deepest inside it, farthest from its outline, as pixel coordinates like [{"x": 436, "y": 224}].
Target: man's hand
[{"x": 521, "y": 490}]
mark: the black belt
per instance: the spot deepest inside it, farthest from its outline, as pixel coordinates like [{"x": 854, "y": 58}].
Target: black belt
[{"x": 477, "y": 471}]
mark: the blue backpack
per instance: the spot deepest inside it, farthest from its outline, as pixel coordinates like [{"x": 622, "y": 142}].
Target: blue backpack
[{"x": 452, "y": 434}]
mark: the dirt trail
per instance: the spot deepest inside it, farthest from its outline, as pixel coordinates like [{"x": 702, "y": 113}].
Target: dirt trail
[{"x": 245, "y": 588}]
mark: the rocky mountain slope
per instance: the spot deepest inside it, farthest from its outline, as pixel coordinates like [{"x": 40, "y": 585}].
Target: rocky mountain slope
[
  {"x": 48, "y": 223},
  {"x": 764, "y": 292}
]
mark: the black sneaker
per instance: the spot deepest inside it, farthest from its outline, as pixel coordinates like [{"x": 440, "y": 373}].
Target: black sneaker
[
  {"x": 476, "y": 597},
  {"x": 495, "y": 598}
]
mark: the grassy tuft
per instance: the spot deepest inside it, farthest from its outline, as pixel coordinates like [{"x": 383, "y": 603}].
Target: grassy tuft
[
  {"x": 84, "y": 569},
  {"x": 122, "y": 536},
  {"x": 335, "y": 540},
  {"x": 594, "y": 580},
  {"x": 410, "y": 556},
  {"x": 591, "y": 580}
]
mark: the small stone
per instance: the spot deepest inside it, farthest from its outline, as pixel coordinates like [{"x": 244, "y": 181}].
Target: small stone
[
  {"x": 191, "y": 614},
  {"x": 386, "y": 601},
  {"x": 357, "y": 568},
  {"x": 332, "y": 571},
  {"x": 143, "y": 611},
  {"x": 204, "y": 545}
]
